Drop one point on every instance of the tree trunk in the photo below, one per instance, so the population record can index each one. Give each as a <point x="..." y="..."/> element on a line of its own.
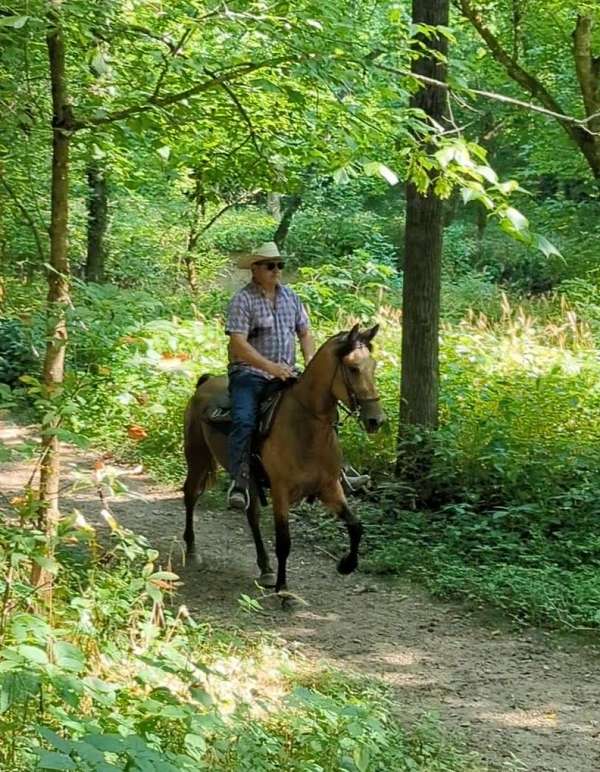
<point x="423" y="251"/>
<point x="291" y="207"/>
<point x="97" y="223"/>
<point x="274" y="205"/>
<point x="198" y="213"/>
<point x="58" y="285"/>
<point x="587" y="67"/>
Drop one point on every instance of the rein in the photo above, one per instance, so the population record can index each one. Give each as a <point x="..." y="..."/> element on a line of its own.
<point x="355" y="402"/>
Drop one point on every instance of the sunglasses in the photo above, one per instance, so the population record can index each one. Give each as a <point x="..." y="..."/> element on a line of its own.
<point x="271" y="266"/>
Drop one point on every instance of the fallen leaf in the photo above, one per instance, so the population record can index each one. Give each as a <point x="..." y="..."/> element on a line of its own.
<point x="135" y="432"/>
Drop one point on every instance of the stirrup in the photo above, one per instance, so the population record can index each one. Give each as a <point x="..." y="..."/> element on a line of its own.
<point x="238" y="497"/>
<point x="352" y="483"/>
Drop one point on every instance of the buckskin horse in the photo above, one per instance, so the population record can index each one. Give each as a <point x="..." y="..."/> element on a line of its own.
<point x="301" y="454"/>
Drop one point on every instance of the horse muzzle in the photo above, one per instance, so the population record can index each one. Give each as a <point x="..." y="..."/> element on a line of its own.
<point x="371" y="416"/>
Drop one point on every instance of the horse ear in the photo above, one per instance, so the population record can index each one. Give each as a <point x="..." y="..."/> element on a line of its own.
<point x="368" y="335"/>
<point x="353" y="335"/>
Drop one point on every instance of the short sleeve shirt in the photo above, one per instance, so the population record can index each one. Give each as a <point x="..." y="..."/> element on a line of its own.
<point x="271" y="328"/>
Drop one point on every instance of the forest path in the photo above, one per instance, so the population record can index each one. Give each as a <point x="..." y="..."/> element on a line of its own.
<point x="524" y="700"/>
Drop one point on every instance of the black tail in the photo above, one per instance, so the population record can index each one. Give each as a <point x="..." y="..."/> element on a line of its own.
<point x="202" y="379"/>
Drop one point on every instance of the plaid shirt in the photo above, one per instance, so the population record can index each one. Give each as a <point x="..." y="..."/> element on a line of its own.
<point x="270" y="329"/>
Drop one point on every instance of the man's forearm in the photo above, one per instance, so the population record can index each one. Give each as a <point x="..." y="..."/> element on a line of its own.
<point x="307" y="344"/>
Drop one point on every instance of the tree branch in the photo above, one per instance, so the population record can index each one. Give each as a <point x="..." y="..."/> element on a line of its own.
<point x="28" y="219"/>
<point x="175" y="50"/>
<point x="239" y="71"/>
<point x="241" y="109"/>
<point x="245" y="198"/>
<point x="518" y="73"/>
<point x="581" y="133"/>
<point x="580" y="123"/>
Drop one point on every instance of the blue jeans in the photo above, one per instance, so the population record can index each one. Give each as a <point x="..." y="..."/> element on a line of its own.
<point x="246" y="391"/>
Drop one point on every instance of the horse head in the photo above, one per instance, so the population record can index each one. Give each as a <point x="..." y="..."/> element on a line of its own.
<point x="354" y="379"/>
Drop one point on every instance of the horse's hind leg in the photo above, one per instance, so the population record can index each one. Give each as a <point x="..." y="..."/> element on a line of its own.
<point x="192" y="488"/>
<point x="333" y="497"/>
<point x="267" y="577"/>
<point x="201" y="472"/>
<point x="282" y="537"/>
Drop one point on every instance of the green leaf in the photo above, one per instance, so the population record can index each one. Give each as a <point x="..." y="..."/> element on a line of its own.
<point x="518" y="220"/>
<point x="54" y="739"/>
<point x="340" y="176"/>
<point x="16" y="22"/>
<point x="97" y="153"/>
<point x="487" y="173"/>
<point x="69" y="657"/>
<point x="164" y="576"/>
<point x="154" y="593"/>
<point x="508" y="187"/>
<point x="475" y="194"/>
<point x="48" y="564"/>
<point x="545" y="246"/>
<point x="32" y="654"/>
<point x="99" y="65"/>
<point x="444" y="156"/>
<point x="373" y="168"/>
<point x="52" y="760"/>
<point x="111" y="743"/>
<point x="15" y="687"/>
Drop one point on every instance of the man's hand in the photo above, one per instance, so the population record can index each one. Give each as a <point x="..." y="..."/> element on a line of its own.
<point x="281" y="371"/>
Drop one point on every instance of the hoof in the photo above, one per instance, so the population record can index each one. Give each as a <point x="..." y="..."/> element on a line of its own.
<point x="267" y="579"/>
<point x="347" y="564"/>
<point x="289" y="602"/>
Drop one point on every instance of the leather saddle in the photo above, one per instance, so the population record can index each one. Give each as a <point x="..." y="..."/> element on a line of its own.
<point x="218" y="410"/>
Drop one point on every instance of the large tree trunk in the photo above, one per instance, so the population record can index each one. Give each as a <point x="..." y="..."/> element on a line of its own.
<point x="97" y="223"/>
<point x="423" y="250"/>
<point x="58" y="282"/>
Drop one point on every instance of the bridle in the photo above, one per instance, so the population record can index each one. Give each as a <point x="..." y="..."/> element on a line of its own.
<point x="355" y="402"/>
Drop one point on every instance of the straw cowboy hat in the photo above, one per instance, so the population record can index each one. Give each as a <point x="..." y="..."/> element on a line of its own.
<point x="264" y="251"/>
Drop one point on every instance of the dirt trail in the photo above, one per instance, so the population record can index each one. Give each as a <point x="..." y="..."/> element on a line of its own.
<point x="524" y="701"/>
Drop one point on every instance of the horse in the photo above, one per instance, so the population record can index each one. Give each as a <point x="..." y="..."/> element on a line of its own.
<point x="301" y="454"/>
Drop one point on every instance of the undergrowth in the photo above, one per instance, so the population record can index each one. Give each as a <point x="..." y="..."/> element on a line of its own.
<point x="112" y="676"/>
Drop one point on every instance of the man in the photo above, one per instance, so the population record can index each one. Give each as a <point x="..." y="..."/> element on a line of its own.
<point x="263" y="320"/>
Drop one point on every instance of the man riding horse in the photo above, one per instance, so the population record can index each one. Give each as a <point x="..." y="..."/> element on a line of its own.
<point x="264" y="318"/>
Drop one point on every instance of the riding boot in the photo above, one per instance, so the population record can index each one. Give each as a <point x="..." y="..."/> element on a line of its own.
<point x="238" y="496"/>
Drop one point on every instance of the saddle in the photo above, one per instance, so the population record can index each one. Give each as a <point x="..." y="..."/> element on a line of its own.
<point x="218" y="410"/>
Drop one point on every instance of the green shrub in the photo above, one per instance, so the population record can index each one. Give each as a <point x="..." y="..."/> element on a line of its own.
<point x="356" y="286"/>
<point x="17" y="354"/>
<point x="241" y="228"/>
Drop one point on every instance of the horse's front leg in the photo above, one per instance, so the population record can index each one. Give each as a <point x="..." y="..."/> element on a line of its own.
<point x="281" y="508"/>
<point x="267" y="577"/>
<point x="333" y="497"/>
